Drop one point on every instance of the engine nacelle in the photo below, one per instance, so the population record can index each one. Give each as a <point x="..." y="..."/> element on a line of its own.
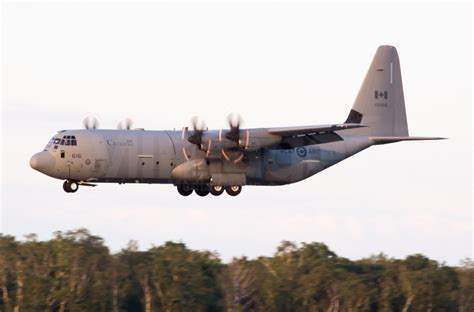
<point x="249" y="140"/>
<point x="193" y="170"/>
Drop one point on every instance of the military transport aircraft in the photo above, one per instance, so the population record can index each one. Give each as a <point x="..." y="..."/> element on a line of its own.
<point x="213" y="161"/>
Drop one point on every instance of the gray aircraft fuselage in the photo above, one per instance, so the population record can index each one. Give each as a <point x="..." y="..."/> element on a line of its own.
<point x="207" y="161"/>
<point x="124" y="156"/>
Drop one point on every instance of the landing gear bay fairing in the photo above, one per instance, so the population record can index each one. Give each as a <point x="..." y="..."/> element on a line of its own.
<point x="217" y="161"/>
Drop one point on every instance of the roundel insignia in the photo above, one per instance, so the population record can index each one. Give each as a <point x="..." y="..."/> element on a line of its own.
<point x="301" y="151"/>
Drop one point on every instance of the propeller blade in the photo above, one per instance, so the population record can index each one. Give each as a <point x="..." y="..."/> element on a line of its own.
<point x="126" y="124"/>
<point x="91" y="122"/>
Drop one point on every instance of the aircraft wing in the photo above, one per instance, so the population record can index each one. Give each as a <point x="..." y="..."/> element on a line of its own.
<point x="312" y="130"/>
<point x="309" y="135"/>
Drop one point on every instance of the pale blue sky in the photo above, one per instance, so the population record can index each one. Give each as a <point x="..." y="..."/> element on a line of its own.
<point x="275" y="64"/>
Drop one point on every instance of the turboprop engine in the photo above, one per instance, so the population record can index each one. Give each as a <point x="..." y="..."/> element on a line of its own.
<point x="247" y="140"/>
<point x="228" y="141"/>
<point x="198" y="170"/>
<point x="192" y="170"/>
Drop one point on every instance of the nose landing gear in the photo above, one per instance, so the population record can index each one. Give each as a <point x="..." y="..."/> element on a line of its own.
<point x="70" y="186"/>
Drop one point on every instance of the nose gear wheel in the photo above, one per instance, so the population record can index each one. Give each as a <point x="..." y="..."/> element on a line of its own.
<point x="70" y="186"/>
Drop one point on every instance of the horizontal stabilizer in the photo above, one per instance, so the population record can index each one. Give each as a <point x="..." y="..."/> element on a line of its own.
<point x="393" y="139"/>
<point x="308" y="130"/>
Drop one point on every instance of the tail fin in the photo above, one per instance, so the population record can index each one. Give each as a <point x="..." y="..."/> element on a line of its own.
<point x="380" y="103"/>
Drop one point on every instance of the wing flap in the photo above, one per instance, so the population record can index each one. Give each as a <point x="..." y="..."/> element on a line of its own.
<point x="311" y="139"/>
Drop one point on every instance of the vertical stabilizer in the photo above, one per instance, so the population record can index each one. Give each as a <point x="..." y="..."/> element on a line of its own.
<point x="380" y="102"/>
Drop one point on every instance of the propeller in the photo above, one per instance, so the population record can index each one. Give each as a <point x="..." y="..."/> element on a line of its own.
<point x="198" y="130"/>
<point x="91" y="122"/>
<point x="234" y="121"/>
<point x="126" y="124"/>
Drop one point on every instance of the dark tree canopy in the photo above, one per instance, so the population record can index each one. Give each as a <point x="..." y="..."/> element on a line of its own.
<point x="74" y="271"/>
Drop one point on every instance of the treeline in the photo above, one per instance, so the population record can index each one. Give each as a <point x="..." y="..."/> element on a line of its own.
<point x="74" y="271"/>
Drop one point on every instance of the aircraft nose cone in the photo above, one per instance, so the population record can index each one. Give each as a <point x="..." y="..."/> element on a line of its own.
<point x="43" y="162"/>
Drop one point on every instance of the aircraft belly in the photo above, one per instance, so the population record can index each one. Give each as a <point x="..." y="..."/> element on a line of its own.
<point x="290" y="165"/>
<point x="293" y="165"/>
<point x="332" y="153"/>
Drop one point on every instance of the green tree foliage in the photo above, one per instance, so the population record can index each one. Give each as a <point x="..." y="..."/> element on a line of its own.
<point x="74" y="271"/>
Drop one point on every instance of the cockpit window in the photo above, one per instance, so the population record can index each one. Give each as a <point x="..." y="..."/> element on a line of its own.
<point x="73" y="140"/>
<point x="68" y="140"/>
<point x="49" y="143"/>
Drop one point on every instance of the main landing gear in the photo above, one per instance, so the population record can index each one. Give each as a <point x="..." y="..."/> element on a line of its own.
<point x="70" y="186"/>
<point x="204" y="189"/>
<point x="185" y="190"/>
<point x="217" y="190"/>
<point x="233" y="190"/>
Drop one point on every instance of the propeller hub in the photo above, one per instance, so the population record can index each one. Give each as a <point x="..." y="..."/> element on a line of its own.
<point x="234" y="125"/>
<point x="198" y="131"/>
